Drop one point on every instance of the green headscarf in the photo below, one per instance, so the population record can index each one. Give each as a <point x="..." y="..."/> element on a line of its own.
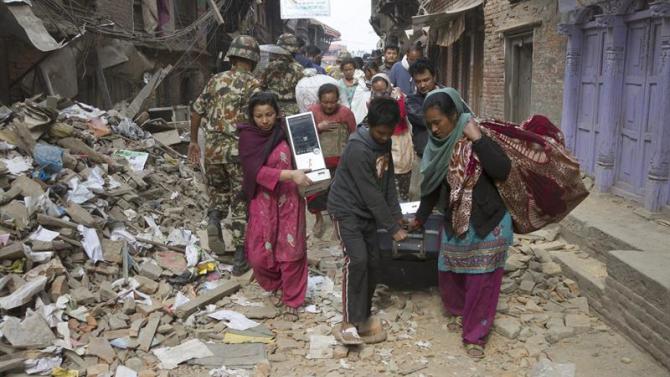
<point x="437" y="155"/>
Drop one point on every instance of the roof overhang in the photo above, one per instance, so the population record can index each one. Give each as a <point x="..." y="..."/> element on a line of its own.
<point x="446" y="14"/>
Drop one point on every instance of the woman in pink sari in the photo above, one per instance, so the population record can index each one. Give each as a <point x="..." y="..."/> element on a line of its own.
<point x="275" y="242"/>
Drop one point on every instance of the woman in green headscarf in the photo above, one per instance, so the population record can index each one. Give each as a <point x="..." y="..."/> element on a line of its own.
<point x="459" y="166"/>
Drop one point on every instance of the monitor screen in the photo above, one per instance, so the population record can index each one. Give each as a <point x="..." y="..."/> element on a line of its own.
<point x="303" y="134"/>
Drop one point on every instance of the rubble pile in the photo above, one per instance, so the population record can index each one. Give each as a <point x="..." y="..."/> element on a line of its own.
<point x="101" y="262"/>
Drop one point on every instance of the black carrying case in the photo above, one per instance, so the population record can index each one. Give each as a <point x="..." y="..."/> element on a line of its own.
<point x="411" y="263"/>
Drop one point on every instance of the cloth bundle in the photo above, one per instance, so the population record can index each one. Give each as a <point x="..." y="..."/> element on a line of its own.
<point x="545" y="182"/>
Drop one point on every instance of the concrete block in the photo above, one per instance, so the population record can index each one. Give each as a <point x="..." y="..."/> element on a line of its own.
<point x="507" y="327"/>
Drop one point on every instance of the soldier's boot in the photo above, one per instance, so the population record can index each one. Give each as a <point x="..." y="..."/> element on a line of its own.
<point x="214" y="234"/>
<point x="240" y="265"/>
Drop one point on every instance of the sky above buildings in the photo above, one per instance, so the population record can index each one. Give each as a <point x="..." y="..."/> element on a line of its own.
<point x="352" y="19"/>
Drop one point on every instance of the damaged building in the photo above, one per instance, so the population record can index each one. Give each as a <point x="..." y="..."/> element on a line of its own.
<point x="104" y="52"/>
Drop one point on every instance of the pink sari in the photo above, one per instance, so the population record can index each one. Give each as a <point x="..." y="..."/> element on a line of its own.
<point x="276" y="244"/>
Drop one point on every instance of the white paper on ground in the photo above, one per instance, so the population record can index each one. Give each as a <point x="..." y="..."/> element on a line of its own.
<point x="234" y="320"/>
<point x="227" y="372"/>
<point x="136" y="160"/>
<point x="179" y="237"/>
<point x="312" y="309"/>
<point x="319" y="286"/>
<point x="4" y="239"/>
<point x="170" y="357"/>
<point x="18" y="164"/>
<point x="179" y="300"/>
<point x="91" y="243"/>
<point x="42" y="234"/>
<point x="78" y="193"/>
<point x="113" y="183"/>
<point x="24" y="294"/>
<point x="42" y="365"/>
<point x="192" y="254"/>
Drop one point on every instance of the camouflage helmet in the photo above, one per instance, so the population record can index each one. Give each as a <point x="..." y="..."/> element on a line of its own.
<point x="246" y="47"/>
<point x="288" y="42"/>
<point x="343" y="55"/>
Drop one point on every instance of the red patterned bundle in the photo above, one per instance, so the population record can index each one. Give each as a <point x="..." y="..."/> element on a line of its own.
<point x="545" y="182"/>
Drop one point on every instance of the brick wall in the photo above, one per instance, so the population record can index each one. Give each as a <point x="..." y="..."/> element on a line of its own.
<point x="637" y="300"/>
<point x="548" y="55"/>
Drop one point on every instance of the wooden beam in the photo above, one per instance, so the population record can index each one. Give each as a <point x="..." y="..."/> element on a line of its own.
<point x="225" y="289"/>
<point x="217" y="14"/>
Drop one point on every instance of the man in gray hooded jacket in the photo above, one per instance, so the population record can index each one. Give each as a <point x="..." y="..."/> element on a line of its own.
<point x="362" y="199"/>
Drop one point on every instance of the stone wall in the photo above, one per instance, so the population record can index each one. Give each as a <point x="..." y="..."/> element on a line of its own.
<point x="501" y="16"/>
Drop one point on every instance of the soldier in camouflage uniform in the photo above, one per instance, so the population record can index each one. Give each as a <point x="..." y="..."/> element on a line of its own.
<point x="336" y="71"/>
<point x="223" y="104"/>
<point x="282" y="75"/>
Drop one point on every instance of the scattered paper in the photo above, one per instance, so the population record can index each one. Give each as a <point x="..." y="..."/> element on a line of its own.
<point x="42" y="234"/>
<point x="18" y="164"/>
<point x="179" y="237"/>
<point x="113" y="183"/>
<point x="91" y="243"/>
<point x="136" y="160"/>
<point x="77" y="111"/>
<point x="179" y="300"/>
<point x="42" y="365"/>
<point x="170" y="357"/>
<point x="234" y="320"/>
<point x="225" y="372"/>
<point x="312" y="309"/>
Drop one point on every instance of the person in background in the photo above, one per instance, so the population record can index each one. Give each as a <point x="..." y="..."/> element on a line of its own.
<point x="333" y="120"/>
<point x="311" y="59"/>
<point x="363" y="199"/>
<point x="355" y="91"/>
<point x="401" y="148"/>
<point x="399" y="74"/>
<point x="391" y="54"/>
<point x="348" y="83"/>
<point x="276" y="238"/>
<point x="336" y="71"/>
<point x="477" y="225"/>
<point x="424" y="77"/>
<point x="220" y="106"/>
<point x="370" y="69"/>
<point x="282" y="75"/>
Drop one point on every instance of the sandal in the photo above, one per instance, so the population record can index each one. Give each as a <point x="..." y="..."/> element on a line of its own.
<point x="275" y="299"/>
<point x="348" y="336"/>
<point x="290" y="314"/>
<point x="372" y="331"/>
<point x="454" y="323"/>
<point x="475" y="351"/>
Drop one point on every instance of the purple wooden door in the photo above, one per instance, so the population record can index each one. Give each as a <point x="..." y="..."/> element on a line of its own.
<point x="591" y="83"/>
<point x="640" y="105"/>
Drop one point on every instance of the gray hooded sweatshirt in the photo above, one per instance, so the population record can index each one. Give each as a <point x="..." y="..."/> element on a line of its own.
<point x="364" y="184"/>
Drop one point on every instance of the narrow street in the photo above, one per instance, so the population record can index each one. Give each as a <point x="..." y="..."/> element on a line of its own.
<point x="321" y="188"/>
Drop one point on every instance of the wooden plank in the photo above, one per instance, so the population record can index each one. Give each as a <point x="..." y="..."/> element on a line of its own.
<point x="12" y="364"/>
<point x="51" y="221"/>
<point x="148" y="332"/>
<point x="225" y="289"/>
<point x="217" y="14"/>
<point x="12" y="251"/>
